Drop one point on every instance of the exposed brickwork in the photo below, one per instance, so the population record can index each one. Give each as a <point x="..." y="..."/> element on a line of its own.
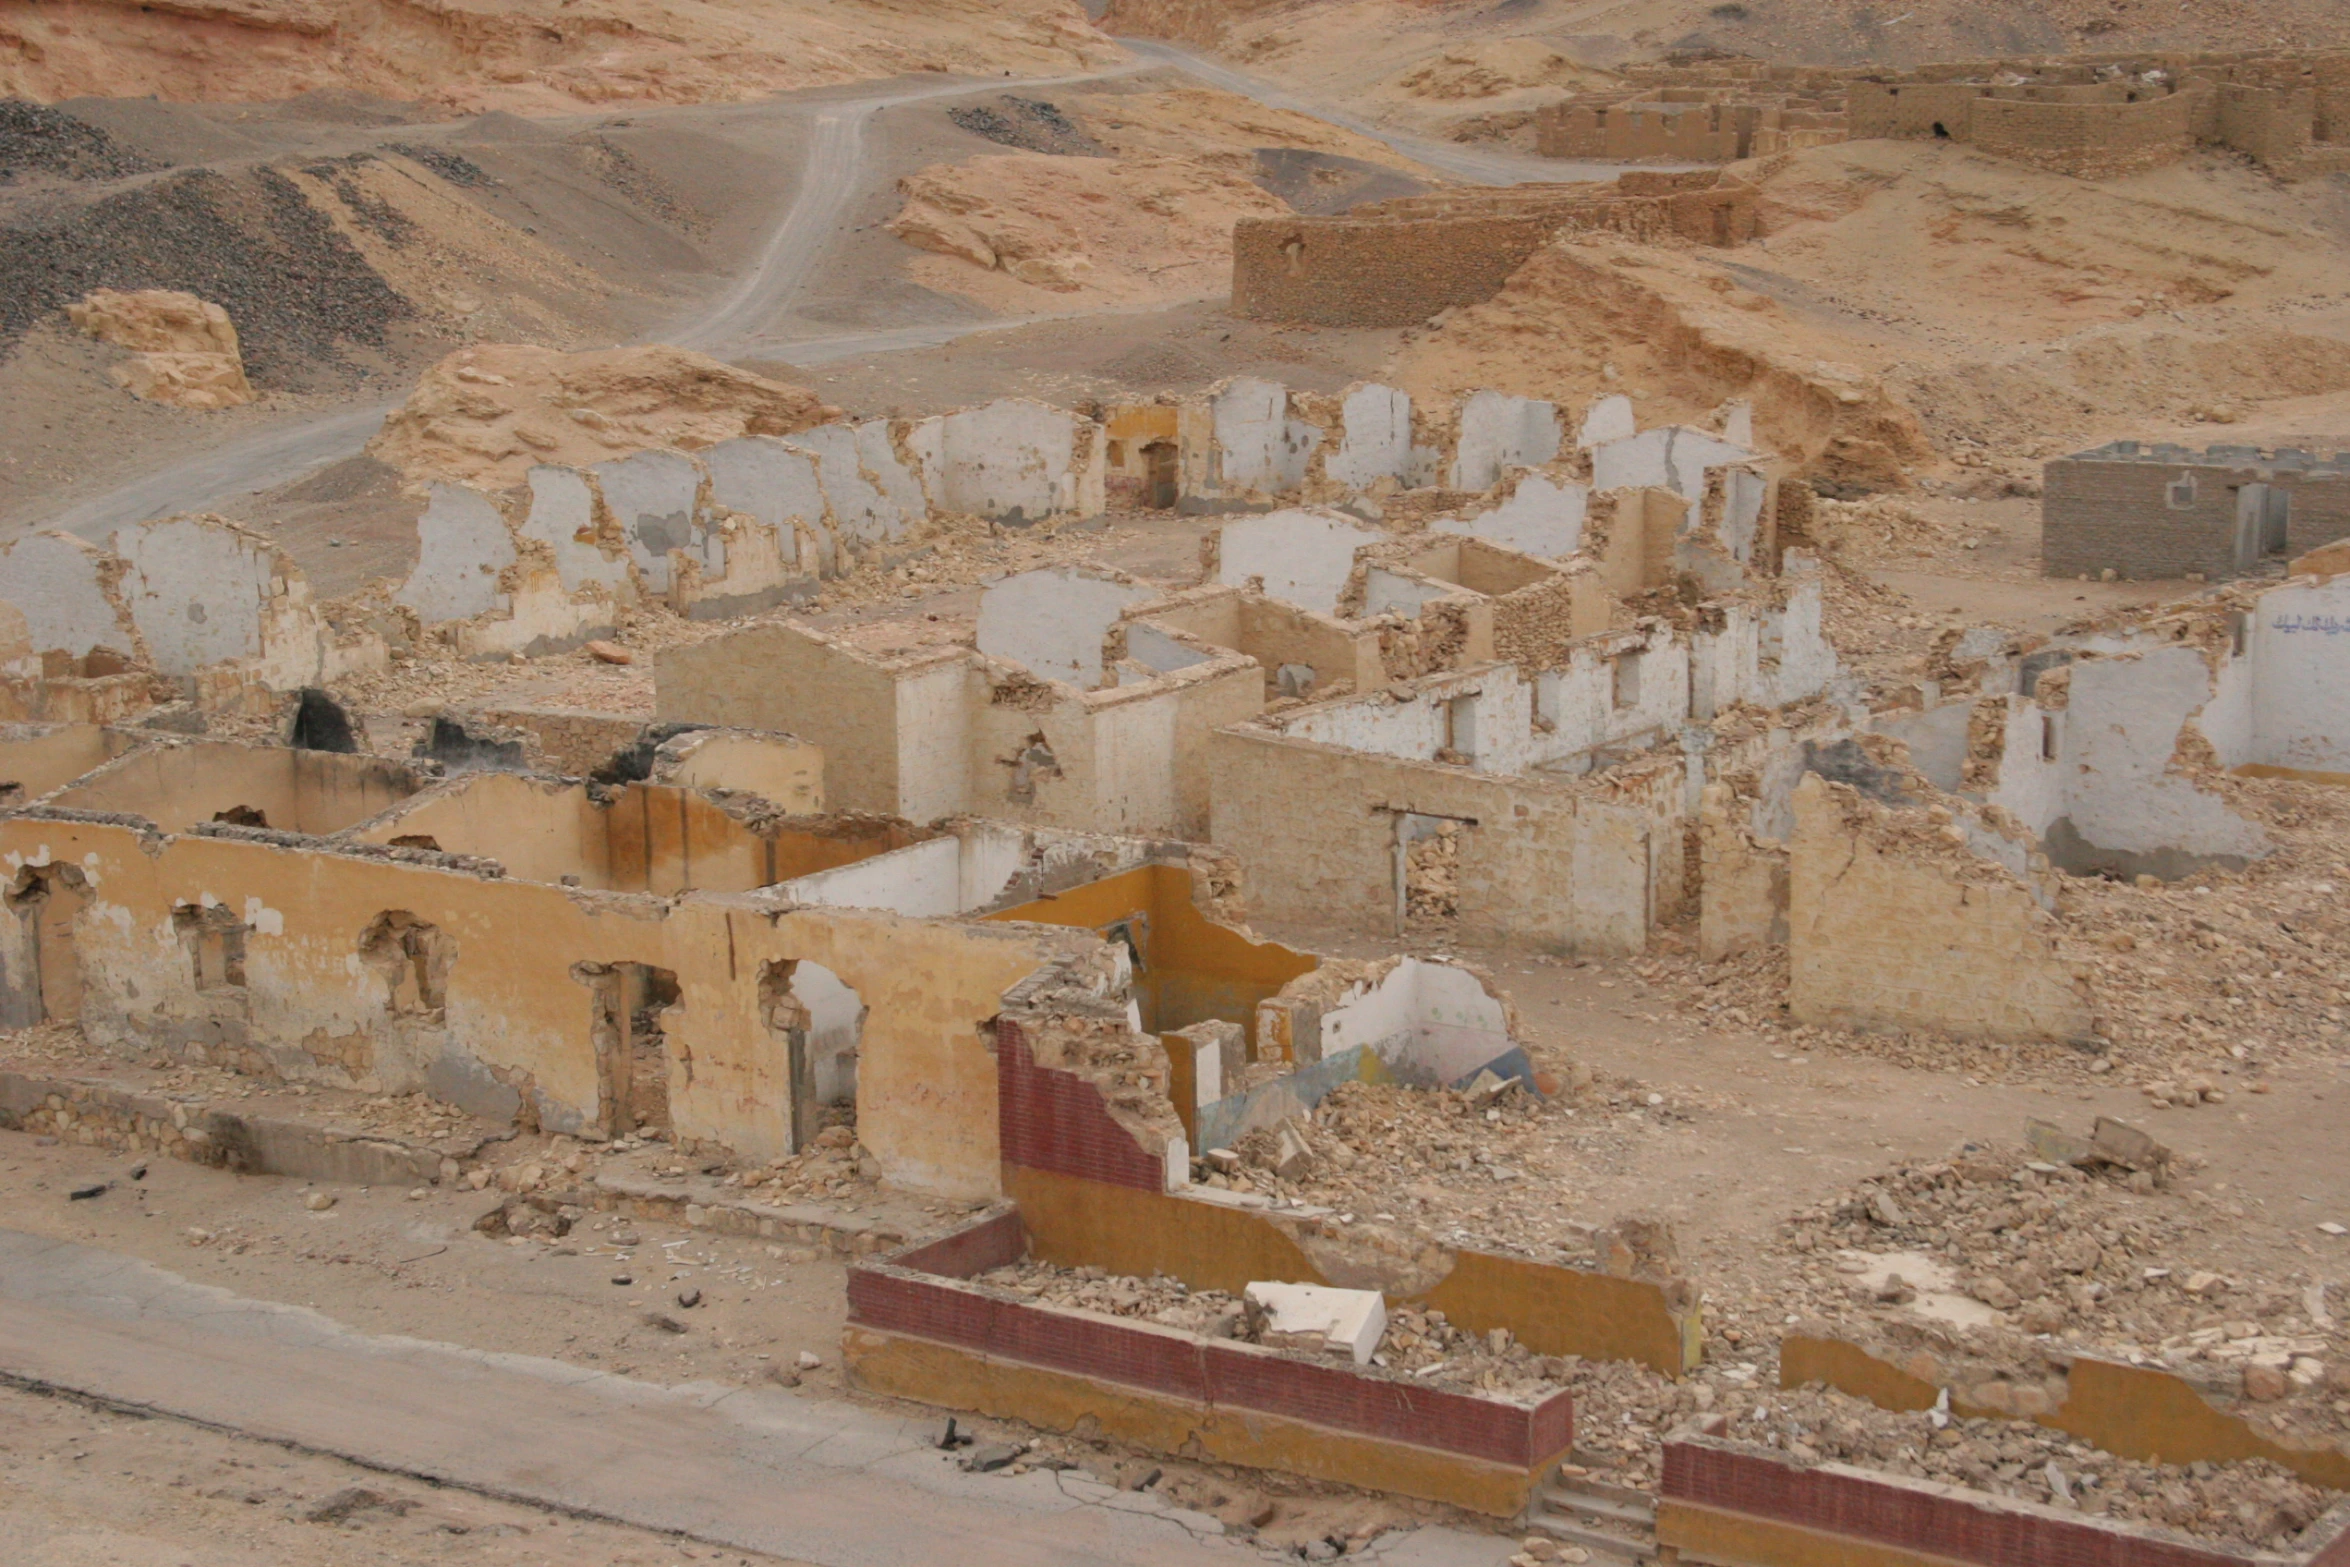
<point x="896" y="1298"/>
<point x="2157" y="512"/>
<point x="2086" y="115"/>
<point x="1399" y="262"/>
<point x="988" y="1244"/>
<point x="1915" y="1515"/>
<point x="1050" y="1120"/>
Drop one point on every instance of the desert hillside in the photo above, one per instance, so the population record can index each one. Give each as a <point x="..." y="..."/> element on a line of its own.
<point x="534" y="56"/>
<point x="1454" y="66"/>
<point x="1907" y="296"/>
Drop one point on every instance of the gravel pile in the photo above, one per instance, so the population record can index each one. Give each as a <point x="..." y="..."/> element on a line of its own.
<point x="35" y="138"/>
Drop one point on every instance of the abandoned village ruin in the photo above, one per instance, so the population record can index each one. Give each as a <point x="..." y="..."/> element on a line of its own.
<point x="1229" y="921"/>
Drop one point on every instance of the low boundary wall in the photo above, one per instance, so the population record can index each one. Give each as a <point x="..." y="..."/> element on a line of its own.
<point x="1745" y="1506"/>
<point x="918" y="1330"/>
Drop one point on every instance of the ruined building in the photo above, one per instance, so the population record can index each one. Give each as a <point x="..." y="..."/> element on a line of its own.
<point x="2141" y="511"/>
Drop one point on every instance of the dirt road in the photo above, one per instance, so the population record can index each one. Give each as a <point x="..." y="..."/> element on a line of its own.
<point x="750" y="1469"/>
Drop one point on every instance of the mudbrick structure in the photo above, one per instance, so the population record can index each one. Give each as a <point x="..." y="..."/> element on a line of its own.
<point x="2089" y="115"/>
<point x="1392" y="263"/>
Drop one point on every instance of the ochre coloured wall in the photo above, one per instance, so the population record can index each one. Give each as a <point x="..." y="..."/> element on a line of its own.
<point x="1190" y="968"/>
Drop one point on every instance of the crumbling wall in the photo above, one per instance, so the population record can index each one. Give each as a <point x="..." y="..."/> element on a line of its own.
<point x="1895" y="922"/>
<point x="790" y="679"/>
<point x="179" y="784"/>
<point x="2300" y="652"/>
<point x="1261" y="449"/>
<point x="1533" y="512"/>
<point x="515" y="1037"/>
<point x="1302" y="557"/>
<point x="1052" y="620"/>
<point x="1013" y="460"/>
<point x="1318" y="827"/>
<point x="1498" y="432"/>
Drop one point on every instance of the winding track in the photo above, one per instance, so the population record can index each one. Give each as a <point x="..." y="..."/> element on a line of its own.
<point x="833" y="175"/>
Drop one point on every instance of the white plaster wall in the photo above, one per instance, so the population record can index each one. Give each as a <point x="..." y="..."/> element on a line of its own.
<point x="2230" y="719"/>
<point x="2300" y="653"/>
<point x="1146" y="644"/>
<point x="1609" y="419"/>
<point x="1499" y="432"/>
<point x="1011" y="459"/>
<point x="864" y="508"/>
<point x="1723" y="663"/>
<point x="1742" y="510"/>
<point x="462" y="547"/>
<point x="1413" y="729"/>
<point x="1303" y="556"/>
<point x="1376" y="438"/>
<point x="1400" y="592"/>
<point x="1542" y="517"/>
<point x="2123" y="722"/>
<point x="2031" y="784"/>
<point x="655" y="496"/>
<point x="52" y="579"/>
<point x="1671" y="457"/>
<point x="899" y="487"/>
<point x="934" y="739"/>
<point x="196" y="590"/>
<point x="1937" y="740"/>
<point x="921" y="881"/>
<point x="1051" y="621"/>
<point x="1259" y="448"/>
<point x="1796" y="659"/>
<point x="1737" y="421"/>
<point x="1579" y="699"/>
<point x="774" y="484"/>
<point x="1429" y="1020"/>
<point x="563" y="518"/>
<point x="1499" y="718"/>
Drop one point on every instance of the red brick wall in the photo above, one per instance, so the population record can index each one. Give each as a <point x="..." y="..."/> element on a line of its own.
<point x="1914" y="1516"/>
<point x="988" y="1244"/>
<point x="1053" y="1120"/>
<point x="1210" y="1372"/>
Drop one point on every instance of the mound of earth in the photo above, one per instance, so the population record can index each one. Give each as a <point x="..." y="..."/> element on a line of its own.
<point x="1022" y="232"/>
<point x="484" y="415"/>
<point x="536" y="56"/>
<point x="1909" y="299"/>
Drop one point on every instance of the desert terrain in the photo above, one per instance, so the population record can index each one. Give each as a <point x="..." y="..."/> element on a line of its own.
<point x="358" y="287"/>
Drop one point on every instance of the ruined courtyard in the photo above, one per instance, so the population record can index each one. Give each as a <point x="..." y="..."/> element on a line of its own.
<point x="1264" y="801"/>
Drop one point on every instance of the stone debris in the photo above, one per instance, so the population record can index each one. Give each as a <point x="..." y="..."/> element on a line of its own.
<point x="2253" y="1502"/>
<point x="1316" y="1317"/>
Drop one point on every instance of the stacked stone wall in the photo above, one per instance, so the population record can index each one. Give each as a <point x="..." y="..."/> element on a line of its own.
<point x="2090" y="140"/>
<point x="1401" y="264"/>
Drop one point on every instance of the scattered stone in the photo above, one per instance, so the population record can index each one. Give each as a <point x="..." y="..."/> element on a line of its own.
<point x="319" y="1202"/>
<point x="988" y="1459"/>
<point x="85" y="1193"/>
<point x="337" y="1506"/>
<point x="689" y="1298"/>
<point x="809" y="1360"/>
<point x="2266" y="1384"/>
<point x="610" y="653"/>
<point x="622" y="1278"/>
<point x="667" y="1324"/>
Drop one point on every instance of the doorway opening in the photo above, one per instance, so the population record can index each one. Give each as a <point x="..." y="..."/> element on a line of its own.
<point x="49" y="900"/>
<point x="628" y="1021"/>
<point x="1427" y="868"/>
<point x="820" y="1020"/>
<point x="1159" y="476"/>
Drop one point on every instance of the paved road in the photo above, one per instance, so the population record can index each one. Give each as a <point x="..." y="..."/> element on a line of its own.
<point x="763" y="1470"/>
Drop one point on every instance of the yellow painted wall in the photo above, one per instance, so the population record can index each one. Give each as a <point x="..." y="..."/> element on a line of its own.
<point x="1193" y="969"/>
<point x="515" y="1013"/>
